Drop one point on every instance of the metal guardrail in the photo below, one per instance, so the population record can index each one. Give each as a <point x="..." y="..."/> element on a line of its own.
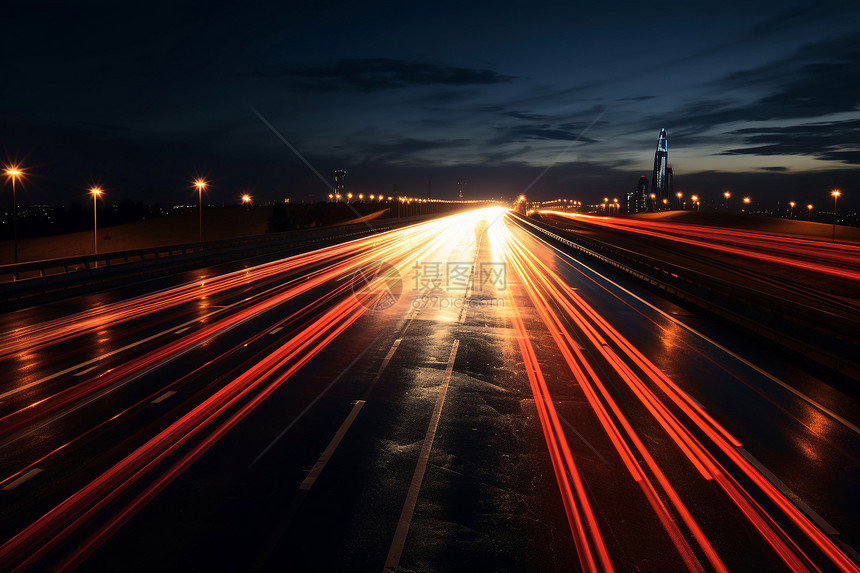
<point x="59" y="278"/>
<point x="717" y="299"/>
<point x="38" y="269"/>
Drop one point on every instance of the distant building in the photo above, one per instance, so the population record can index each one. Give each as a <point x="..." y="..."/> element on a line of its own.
<point x="670" y="184"/>
<point x="340" y="183"/>
<point x="637" y="200"/>
<point x="661" y="161"/>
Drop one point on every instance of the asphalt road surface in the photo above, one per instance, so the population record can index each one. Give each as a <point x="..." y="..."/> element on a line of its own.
<point x="457" y="395"/>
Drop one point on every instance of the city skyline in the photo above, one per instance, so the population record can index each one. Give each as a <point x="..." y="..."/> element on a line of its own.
<point x="567" y="101"/>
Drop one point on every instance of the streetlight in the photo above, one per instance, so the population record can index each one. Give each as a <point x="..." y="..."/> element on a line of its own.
<point x="727" y="194"/>
<point x="14" y="172"/>
<point x="96" y="193"/>
<point x="653" y="198"/>
<point x="695" y="200"/>
<point x="679" y="195"/>
<point x="246" y="199"/>
<point x="746" y="202"/>
<point x="791" y="204"/>
<point x="836" y="193"/>
<point x="809" y="212"/>
<point x="201" y="185"/>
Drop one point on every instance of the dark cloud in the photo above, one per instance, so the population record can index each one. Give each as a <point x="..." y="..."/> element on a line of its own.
<point x="776" y="169"/>
<point x="831" y="140"/>
<point x="817" y="80"/>
<point x="526" y="116"/>
<point x="404" y="149"/>
<point x="374" y="74"/>
<point x="636" y="98"/>
<point x="525" y="132"/>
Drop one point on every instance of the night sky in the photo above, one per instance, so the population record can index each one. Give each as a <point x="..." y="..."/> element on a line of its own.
<point x="759" y="98"/>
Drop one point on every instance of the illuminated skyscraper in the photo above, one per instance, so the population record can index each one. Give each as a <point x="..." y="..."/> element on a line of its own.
<point x="670" y="184"/>
<point x="340" y="182"/>
<point x="661" y="160"/>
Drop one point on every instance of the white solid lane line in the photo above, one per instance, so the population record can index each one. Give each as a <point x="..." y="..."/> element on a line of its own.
<point x="393" y="559"/>
<point x="164" y="397"/>
<point x="22" y="479"/>
<point x="332" y="446"/>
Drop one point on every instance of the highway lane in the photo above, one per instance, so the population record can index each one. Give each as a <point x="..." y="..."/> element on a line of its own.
<point x="303" y="428"/>
<point x="811" y="282"/>
<point x="773" y="423"/>
<point x="836" y="259"/>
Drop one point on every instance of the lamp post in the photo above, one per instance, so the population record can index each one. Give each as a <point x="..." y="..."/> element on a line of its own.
<point x="727" y="194"/>
<point x="96" y="193"/>
<point x="695" y="200"/>
<point x="791" y="204"/>
<point x="201" y="185"/>
<point x="836" y="193"/>
<point x="14" y="172"/>
<point x="679" y="195"/>
<point x="809" y="212"/>
<point x="746" y="202"/>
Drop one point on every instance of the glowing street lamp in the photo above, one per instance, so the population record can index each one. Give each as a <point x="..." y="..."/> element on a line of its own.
<point x="96" y="193"/>
<point x="836" y="193"/>
<point x="809" y="212"/>
<point x="246" y="199"/>
<point x="201" y="185"/>
<point x="695" y="200"/>
<point x="330" y="196"/>
<point x="746" y="202"/>
<point x="791" y="211"/>
<point x="14" y="172"/>
<point x="727" y="194"/>
<point x="679" y="195"/>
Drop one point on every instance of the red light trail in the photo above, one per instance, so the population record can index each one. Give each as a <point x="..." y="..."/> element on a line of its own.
<point x="550" y="294"/>
<point x="835" y="259"/>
